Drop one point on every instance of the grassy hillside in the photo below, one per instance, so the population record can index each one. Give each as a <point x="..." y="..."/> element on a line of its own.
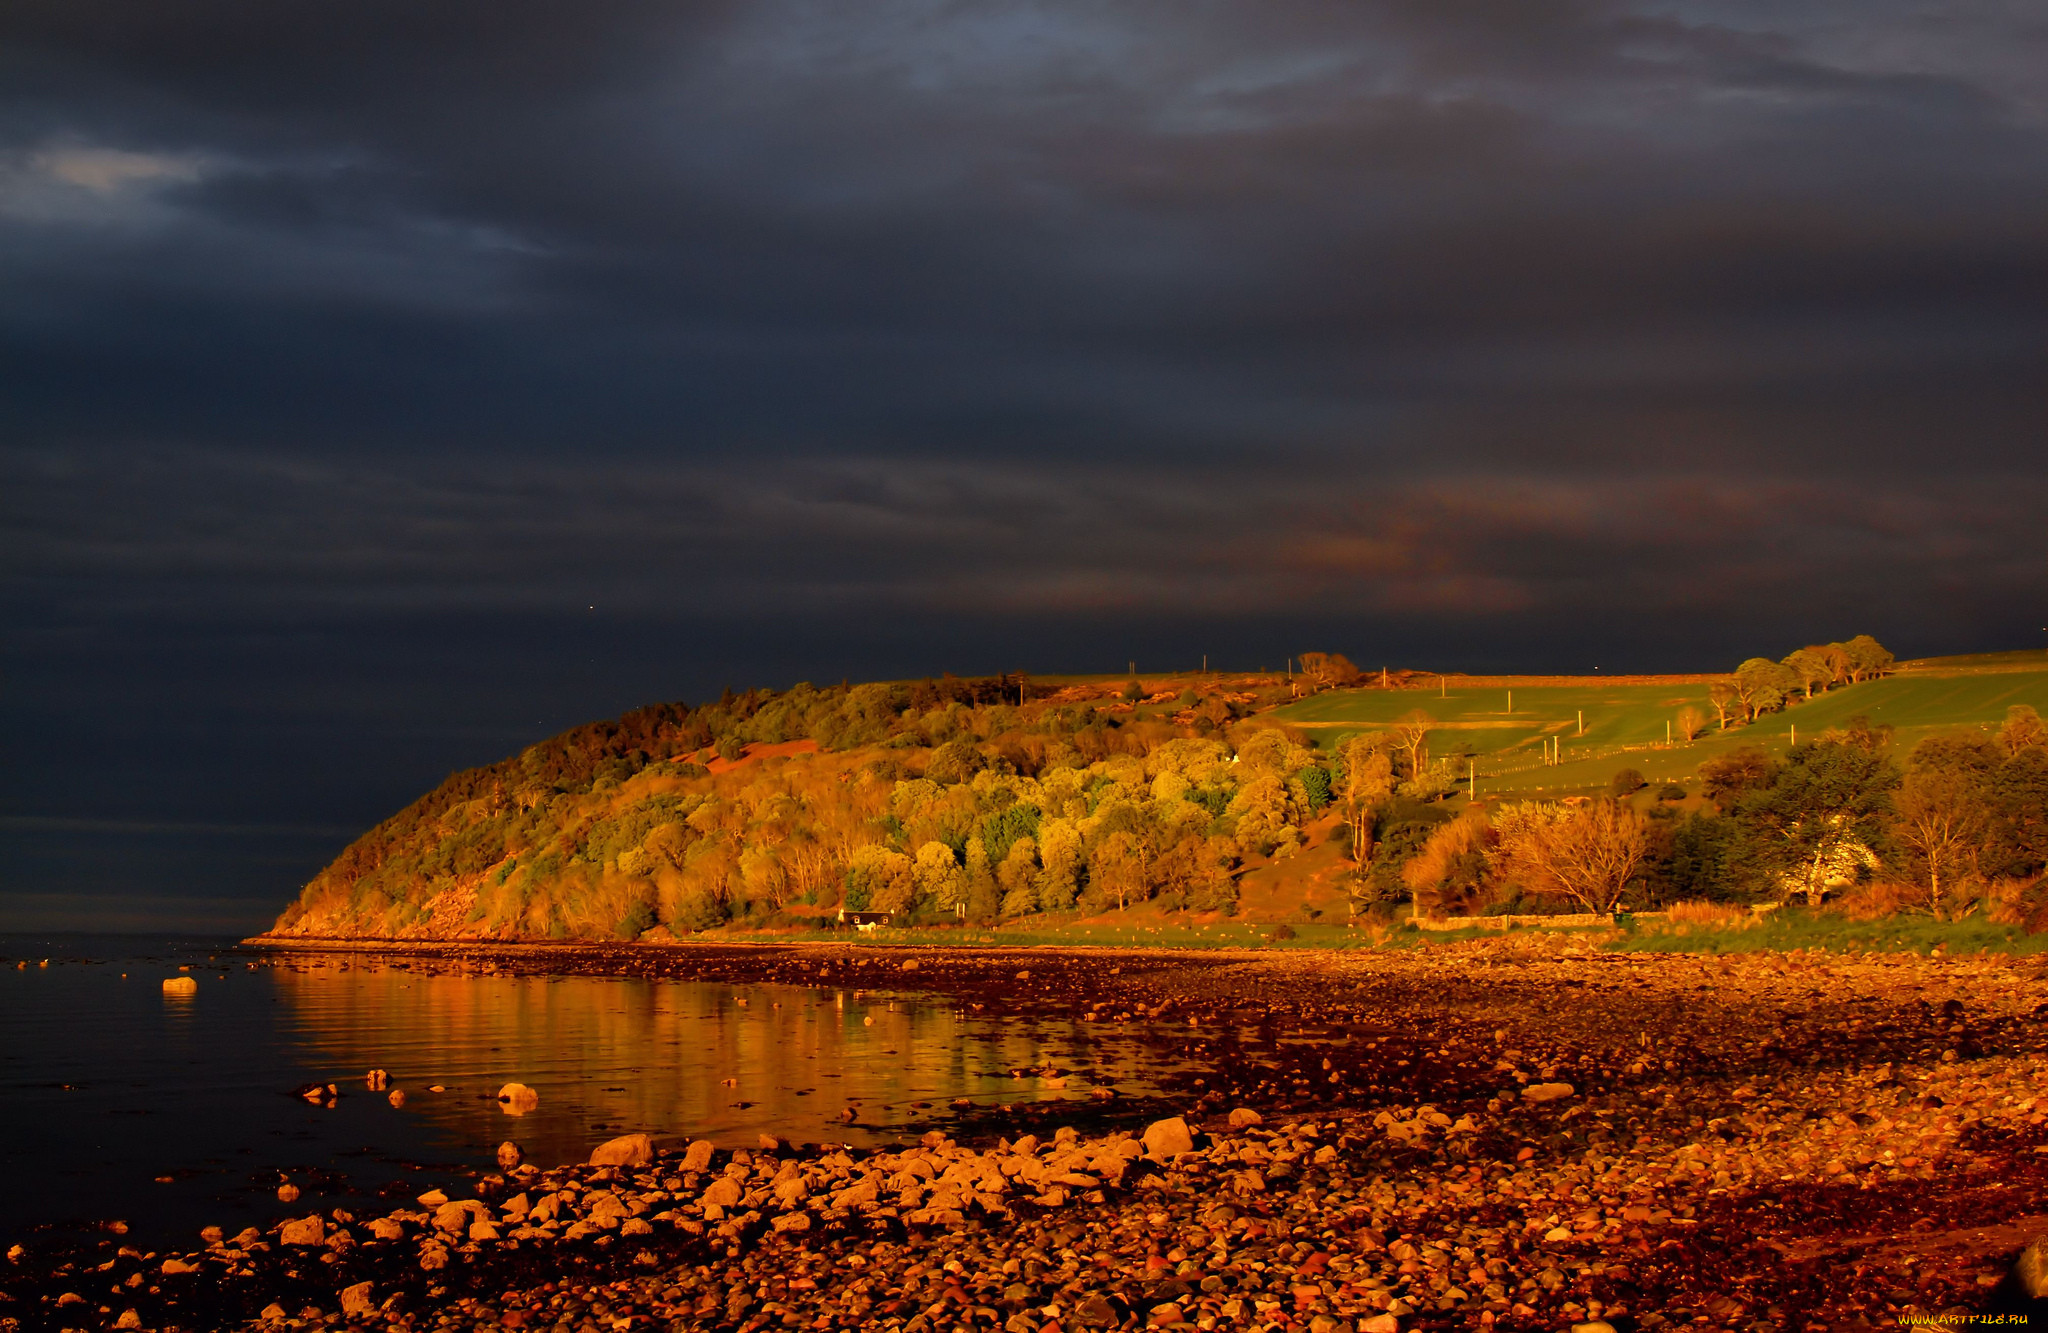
<point x="1037" y="802"/>
<point x="1624" y="725"/>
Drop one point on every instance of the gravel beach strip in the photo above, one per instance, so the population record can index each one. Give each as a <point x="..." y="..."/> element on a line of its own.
<point x="1516" y="1133"/>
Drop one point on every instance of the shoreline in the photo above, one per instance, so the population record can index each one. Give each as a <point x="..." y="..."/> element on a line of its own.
<point x="1755" y="1141"/>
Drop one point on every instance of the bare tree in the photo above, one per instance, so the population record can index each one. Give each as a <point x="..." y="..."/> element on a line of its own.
<point x="1721" y="694"/>
<point x="1410" y="735"/>
<point x="1328" y="669"/>
<point x="1588" y="854"/>
<point x="1691" y="722"/>
<point x="1939" y="816"/>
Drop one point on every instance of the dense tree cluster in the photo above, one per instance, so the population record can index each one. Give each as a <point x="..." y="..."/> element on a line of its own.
<point x="1762" y="686"/>
<point x="1961" y="827"/>
<point x="985" y="799"/>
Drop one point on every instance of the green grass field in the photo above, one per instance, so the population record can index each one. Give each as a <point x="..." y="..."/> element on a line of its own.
<point x="1624" y="725"/>
<point x="1782" y="932"/>
<point x="1794" y="928"/>
<point x="1102" y="935"/>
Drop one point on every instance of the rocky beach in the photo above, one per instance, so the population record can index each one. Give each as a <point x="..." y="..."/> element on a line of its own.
<point x="1524" y="1132"/>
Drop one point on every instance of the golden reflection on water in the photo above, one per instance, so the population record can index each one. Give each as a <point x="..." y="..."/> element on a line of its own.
<point x="621" y="1055"/>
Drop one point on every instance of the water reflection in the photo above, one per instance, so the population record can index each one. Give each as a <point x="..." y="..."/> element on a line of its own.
<point x="689" y="1059"/>
<point x="120" y="1100"/>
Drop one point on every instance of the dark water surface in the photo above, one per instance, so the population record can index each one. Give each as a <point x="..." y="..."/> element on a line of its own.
<point x="108" y="1085"/>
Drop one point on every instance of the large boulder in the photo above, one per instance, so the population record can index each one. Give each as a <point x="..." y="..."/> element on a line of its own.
<point x="626" y="1150"/>
<point x="356" y="1301"/>
<point x="456" y="1218"/>
<point x="698" y="1156"/>
<point x="1547" y="1092"/>
<point x="517" y="1099"/>
<point x="1166" y="1138"/>
<point x="310" y="1230"/>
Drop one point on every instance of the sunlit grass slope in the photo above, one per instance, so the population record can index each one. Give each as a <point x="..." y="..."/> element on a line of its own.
<point x="1624" y="724"/>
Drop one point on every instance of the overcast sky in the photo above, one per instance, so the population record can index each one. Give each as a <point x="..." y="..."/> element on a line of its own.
<point x="387" y="384"/>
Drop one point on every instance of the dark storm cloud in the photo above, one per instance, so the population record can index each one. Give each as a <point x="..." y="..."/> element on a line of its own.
<point x="200" y="535"/>
<point x="392" y="382"/>
<point x="927" y="228"/>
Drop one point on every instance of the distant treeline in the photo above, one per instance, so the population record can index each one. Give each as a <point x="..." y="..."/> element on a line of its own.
<point x="1762" y="686"/>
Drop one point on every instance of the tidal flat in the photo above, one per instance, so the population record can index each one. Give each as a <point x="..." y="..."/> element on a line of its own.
<point x="1519" y="1133"/>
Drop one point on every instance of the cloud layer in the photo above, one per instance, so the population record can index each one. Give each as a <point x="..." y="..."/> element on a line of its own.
<point x="642" y="349"/>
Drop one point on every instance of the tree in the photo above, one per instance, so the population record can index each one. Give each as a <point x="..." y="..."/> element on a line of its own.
<point x="1017" y="877"/>
<point x="2023" y="730"/>
<point x="1859" y="734"/>
<point x="1269" y="749"/>
<point x="1940" y="813"/>
<point x="1260" y="812"/>
<point x="1587" y="854"/>
<point x="1820" y="820"/>
<point x="1836" y="658"/>
<point x="1867" y="658"/>
<point x="1368" y="783"/>
<point x="2004" y="794"/>
<point x="1117" y="869"/>
<point x="1449" y="872"/>
<point x="1310" y="788"/>
<point x="1727" y="779"/>
<point x="1410" y="735"/>
<point x="1434" y="783"/>
<point x="1705" y="859"/>
<point x="955" y="761"/>
<point x="984" y="896"/>
<point x="1809" y="669"/>
<point x="762" y="873"/>
<point x="2015" y="846"/>
<point x="1721" y="694"/>
<point x="1328" y="669"/>
<point x="1761" y="686"/>
<point x="1690" y="723"/>
<point x="939" y="879"/>
<point x="1059" y="855"/>
<point x="880" y="880"/>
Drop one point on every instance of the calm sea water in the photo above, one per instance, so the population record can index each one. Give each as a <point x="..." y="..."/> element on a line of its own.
<point x="169" y="1112"/>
